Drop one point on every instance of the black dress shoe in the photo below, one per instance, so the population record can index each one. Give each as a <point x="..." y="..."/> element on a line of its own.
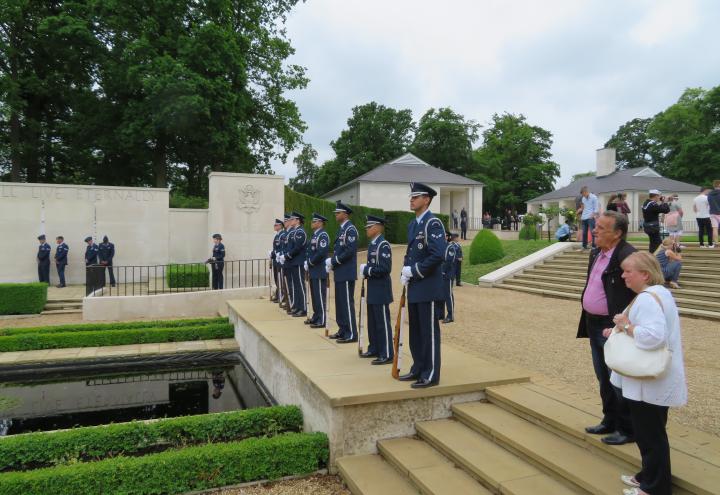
<point x="382" y="361"/>
<point x="345" y="341"/>
<point x="316" y="325"/>
<point x="299" y="314"/>
<point x="334" y="335"/>
<point x="423" y="383"/>
<point x="307" y="322"/>
<point x="368" y="354"/>
<point x="448" y="320"/>
<point x="600" y="429"/>
<point x="408" y="377"/>
<point x="618" y="438"/>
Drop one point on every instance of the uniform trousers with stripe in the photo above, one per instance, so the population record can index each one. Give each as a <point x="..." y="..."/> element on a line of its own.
<point x="379" y="330"/>
<point x="425" y="340"/>
<point x="318" y="290"/>
<point x="449" y="299"/>
<point x="297" y="273"/>
<point x="345" y="309"/>
<point x="288" y="286"/>
<point x="217" y="275"/>
<point x="276" y="278"/>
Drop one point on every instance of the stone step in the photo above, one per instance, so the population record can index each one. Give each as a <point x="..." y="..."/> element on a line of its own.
<point x="427" y="469"/>
<point x="74" y="300"/>
<point x="578" y="271"/>
<point x="695" y="467"/>
<point x="712" y="267"/>
<point x="63" y="305"/>
<point x="543" y="449"/>
<point x="491" y="464"/>
<point x="574" y="280"/>
<point x="372" y="475"/>
<point x="61" y="311"/>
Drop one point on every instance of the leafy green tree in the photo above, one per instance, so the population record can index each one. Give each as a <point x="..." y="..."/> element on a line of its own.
<point x="444" y="139"/>
<point x="307" y="170"/>
<point x="633" y="145"/>
<point x="582" y="176"/>
<point x="515" y="163"/>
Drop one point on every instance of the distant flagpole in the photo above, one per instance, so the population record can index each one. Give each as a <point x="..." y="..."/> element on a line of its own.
<point x="94" y="234"/>
<point x="42" y="217"/>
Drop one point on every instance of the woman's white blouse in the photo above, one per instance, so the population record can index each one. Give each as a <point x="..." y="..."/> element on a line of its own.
<point x="656" y="327"/>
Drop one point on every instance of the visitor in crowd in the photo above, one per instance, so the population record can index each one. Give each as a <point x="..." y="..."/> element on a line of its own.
<point x="713" y="198"/>
<point x="564" y="232"/>
<point x="622" y="206"/>
<point x="463" y="223"/>
<point x="670" y="262"/>
<point x="653" y="322"/>
<point x="589" y="212"/>
<point x="487" y="220"/>
<point x="604" y="296"/>
<point x="612" y="203"/>
<point x="455" y="218"/>
<point x="515" y="219"/>
<point x="673" y="219"/>
<point x="701" y="207"/>
<point x="652" y="207"/>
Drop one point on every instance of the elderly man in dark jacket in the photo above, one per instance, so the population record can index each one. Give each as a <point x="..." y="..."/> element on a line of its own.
<point x="604" y="296"/>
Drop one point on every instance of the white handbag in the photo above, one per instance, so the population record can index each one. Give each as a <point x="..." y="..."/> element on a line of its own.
<point x="625" y="358"/>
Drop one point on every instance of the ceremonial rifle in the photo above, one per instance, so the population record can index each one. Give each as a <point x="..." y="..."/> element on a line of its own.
<point x="327" y="300"/>
<point x="360" y="326"/>
<point x="397" y="339"/>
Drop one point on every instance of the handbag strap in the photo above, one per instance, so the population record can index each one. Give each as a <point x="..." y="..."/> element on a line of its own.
<point x="655" y="296"/>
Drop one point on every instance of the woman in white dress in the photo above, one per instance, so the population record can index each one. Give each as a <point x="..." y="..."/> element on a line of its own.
<point x="653" y="322"/>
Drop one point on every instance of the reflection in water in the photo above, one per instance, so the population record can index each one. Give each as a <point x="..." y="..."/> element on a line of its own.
<point x="111" y="398"/>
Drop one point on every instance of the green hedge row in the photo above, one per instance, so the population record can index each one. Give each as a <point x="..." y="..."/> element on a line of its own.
<point x="187" y="275"/>
<point x="302" y="203"/>
<point x="86" y="327"/>
<point x="61" y="340"/>
<point x="93" y="443"/>
<point x="23" y="299"/>
<point x="485" y="248"/>
<point x="178" y="471"/>
<point x="397" y="223"/>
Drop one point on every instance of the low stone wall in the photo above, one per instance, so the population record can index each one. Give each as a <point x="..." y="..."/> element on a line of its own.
<point x="494" y="278"/>
<point x="185" y="304"/>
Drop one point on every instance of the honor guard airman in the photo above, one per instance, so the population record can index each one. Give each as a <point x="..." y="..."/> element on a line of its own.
<point x="317" y="251"/>
<point x="43" y="260"/>
<point x="295" y="259"/>
<point x="448" y="278"/>
<point x="284" y="267"/>
<point x="61" y="254"/>
<point x="273" y="254"/>
<point x="91" y="252"/>
<point x="343" y="264"/>
<point x="217" y="262"/>
<point x="379" y="292"/>
<point x="458" y="259"/>
<point x="106" y="253"/>
<point x="422" y="274"/>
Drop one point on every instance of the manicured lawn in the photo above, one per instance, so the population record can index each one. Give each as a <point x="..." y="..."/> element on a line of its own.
<point x="514" y="250"/>
<point x="644" y="238"/>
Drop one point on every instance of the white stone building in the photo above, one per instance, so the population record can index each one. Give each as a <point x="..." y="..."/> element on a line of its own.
<point x="387" y="187"/>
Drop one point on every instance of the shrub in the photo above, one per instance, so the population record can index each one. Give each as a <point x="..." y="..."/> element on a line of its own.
<point x="178" y="471"/>
<point x="86" y="327"/>
<point x="92" y="443"/>
<point x="178" y="200"/>
<point x="485" y="248"/>
<point x="62" y="340"/>
<point x="187" y="275"/>
<point x="397" y="222"/>
<point x="23" y="299"/>
<point x="528" y="232"/>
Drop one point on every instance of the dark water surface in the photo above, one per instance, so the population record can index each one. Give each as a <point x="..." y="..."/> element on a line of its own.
<point x="76" y="398"/>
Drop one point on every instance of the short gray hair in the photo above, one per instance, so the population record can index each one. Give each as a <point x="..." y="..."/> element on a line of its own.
<point x="620" y="221"/>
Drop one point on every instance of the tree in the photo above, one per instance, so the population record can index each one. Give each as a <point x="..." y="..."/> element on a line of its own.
<point x="445" y="139"/>
<point x="633" y="145"/>
<point x="514" y="162"/>
<point x="307" y="170"/>
<point x="582" y="176"/>
<point x="375" y="134"/>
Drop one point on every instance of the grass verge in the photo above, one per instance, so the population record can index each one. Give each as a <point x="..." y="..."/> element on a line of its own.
<point x="514" y="250"/>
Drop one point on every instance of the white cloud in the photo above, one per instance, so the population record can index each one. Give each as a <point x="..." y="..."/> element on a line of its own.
<point x="665" y="21"/>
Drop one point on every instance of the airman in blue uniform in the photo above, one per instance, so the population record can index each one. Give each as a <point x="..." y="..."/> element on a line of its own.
<point x="317" y="250"/>
<point x="91" y="252"/>
<point x="422" y="274"/>
<point x="284" y="267"/>
<point x="448" y="276"/>
<point x="217" y="262"/>
<point x="61" y="254"/>
<point x="43" y="260"/>
<point x="273" y="254"/>
<point x="106" y="253"/>
<point x="344" y="266"/>
<point x="458" y="259"/>
<point x="379" y="292"/>
<point x="295" y="259"/>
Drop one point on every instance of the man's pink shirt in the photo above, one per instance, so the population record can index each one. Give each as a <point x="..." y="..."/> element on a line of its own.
<point x="595" y="301"/>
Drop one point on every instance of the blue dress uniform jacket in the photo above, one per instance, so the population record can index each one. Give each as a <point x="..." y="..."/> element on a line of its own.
<point x="106" y="252"/>
<point x="61" y="254"/>
<point x="344" y="260"/>
<point x="458" y="260"/>
<point x="317" y="251"/>
<point x="91" y="255"/>
<point x="295" y="259"/>
<point x="218" y="258"/>
<point x="296" y="247"/>
<point x="448" y="264"/>
<point x="43" y="258"/>
<point x="377" y="271"/>
<point x="425" y="254"/>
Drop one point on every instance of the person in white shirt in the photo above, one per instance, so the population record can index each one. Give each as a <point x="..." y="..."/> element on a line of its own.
<point x="701" y="207"/>
<point x="589" y="212"/>
<point x="653" y="322"/>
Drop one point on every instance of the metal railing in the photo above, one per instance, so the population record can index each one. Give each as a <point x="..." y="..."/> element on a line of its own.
<point x="687" y="226"/>
<point x="143" y="280"/>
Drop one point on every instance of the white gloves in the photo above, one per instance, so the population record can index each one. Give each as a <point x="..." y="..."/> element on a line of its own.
<point x="281" y="259"/>
<point x="407" y="272"/>
<point x="362" y="268"/>
<point x="404" y="280"/>
<point x="328" y="265"/>
<point x="305" y="265"/>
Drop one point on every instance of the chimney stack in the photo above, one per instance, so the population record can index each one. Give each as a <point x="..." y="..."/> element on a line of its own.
<point x="605" y="159"/>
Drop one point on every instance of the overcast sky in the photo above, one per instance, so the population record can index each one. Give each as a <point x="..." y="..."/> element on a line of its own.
<point x="577" y="68"/>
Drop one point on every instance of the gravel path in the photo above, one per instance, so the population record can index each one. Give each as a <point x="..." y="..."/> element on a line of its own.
<point x="313" y="485"/>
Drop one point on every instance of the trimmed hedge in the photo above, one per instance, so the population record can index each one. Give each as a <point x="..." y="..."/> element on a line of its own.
<point x="178" y="471"/>
<point x="93" y="443"/>
<point x="485" y="248"/>
<point x="187" y="275"/>
<point x="302" y="203"/>
<point x="61" y="340"/>
<point x="23" y="299"/>
<point x="397" y="224"/>
<point x="86" y="327"/>
<point x="528" y="232"/>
